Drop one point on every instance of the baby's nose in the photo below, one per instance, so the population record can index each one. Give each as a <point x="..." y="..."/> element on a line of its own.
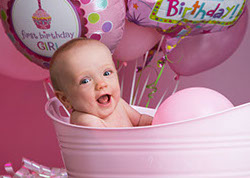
<point x="100" y="85"/>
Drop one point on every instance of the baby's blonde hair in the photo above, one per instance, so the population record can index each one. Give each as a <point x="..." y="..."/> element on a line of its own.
<point x="54" y="74"/>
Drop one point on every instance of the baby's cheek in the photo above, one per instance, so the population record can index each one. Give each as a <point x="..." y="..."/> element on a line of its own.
<point x="114" y="82"/>
<point x="117" y="95"/>
<point x="116" y="88"/>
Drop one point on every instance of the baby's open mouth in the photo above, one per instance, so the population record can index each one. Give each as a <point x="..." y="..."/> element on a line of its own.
<point x="104" y="99"/>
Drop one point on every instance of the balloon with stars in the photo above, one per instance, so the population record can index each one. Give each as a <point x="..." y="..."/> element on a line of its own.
<point x="177" y="19"/>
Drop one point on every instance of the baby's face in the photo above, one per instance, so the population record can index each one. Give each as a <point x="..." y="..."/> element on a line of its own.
<point x="90" y="80"/>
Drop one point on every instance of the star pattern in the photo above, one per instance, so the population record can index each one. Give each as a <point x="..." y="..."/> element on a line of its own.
<point x="135" y="6"/>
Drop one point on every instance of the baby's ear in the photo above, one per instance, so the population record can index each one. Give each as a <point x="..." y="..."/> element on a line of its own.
<point x="61" y="96"/>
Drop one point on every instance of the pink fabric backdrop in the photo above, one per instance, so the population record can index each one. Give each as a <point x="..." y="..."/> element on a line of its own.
<point x="26" y="131"/>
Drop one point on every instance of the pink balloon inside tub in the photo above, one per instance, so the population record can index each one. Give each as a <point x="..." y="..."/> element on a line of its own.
<point x="190" y="103"/>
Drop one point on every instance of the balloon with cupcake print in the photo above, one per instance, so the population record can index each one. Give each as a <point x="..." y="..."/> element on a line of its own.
<point x="41" y="18"/>
<point x="38" y="28"/>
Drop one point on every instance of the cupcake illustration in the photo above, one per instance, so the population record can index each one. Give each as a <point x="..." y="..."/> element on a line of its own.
<point x="41" y="18"/>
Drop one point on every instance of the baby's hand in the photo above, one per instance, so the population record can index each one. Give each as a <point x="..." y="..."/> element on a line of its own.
<point x="145" y="120"/>
<point x="136" y="118"/>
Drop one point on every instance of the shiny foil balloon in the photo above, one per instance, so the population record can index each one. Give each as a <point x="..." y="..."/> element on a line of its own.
<point x="180" y="18"/>
<point x="199" y="53"/>
<point x="13" y="64"/>
<point x="38" y="27"/>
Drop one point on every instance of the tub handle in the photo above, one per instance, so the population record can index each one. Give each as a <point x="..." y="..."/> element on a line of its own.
<point x="59" y="104"/>
<point x="49" y="89"/>
<point x="47" y="85"/>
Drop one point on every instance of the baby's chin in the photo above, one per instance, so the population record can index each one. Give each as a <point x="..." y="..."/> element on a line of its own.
<point x="105" y="113"/>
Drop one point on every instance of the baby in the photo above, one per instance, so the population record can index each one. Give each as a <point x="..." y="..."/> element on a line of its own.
<point x="85" y="81"/>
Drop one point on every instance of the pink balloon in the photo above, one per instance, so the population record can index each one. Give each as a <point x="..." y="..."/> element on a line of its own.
<point x="14" y="64"/>
<point x="37" y="28"/>
<point x="108" y="22"/>
<point x="191" y="103"/>
<point x="202" y="52"/>
<point x="136" y="41"/>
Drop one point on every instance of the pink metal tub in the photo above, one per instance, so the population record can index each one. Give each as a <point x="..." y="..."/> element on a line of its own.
<point x="215" y="146"/>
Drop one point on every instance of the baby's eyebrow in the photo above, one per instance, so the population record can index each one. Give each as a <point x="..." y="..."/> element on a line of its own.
<point x="108" y="67"/>
<point x="81" y="76"/>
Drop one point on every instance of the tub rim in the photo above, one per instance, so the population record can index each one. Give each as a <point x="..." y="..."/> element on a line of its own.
<point x="141" y="127"/>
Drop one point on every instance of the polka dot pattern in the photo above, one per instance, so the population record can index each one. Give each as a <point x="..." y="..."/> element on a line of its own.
<point x="96" y="36"/>
<point x="11" y="37"/>
<point x="28" y="57"/>
<point x="3" y="15"/>
<point x="46" y="65"/>
<point x="107" y="26"/>
<point x="93" y="18"/>
<point x="101" y="4"/>
<point x="85" y="1"/>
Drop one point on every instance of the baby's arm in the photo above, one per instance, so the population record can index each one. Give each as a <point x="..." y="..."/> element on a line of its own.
<point x="78" y="118"/>
<point x="136" y="118"/>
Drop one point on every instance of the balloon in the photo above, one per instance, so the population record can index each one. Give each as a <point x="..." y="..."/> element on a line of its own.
<point x="180" y="18"/>
<point x="202" y="52"/>
<point x="14" y="64"/>
<point x="191" y="103"/>
<point x="37" y="28"/>
<point x="136" y="41"/>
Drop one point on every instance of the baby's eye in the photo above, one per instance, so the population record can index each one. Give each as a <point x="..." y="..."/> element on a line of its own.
<point x="84" y="81"/>
<point x="107" y="73"/>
